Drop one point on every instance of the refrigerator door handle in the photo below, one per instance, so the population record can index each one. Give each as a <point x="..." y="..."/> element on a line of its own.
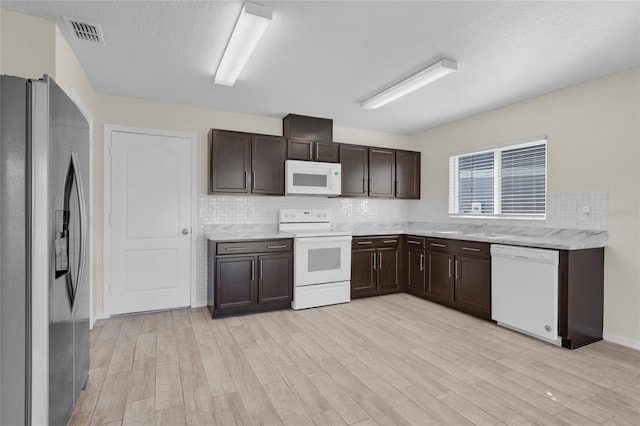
<point x="83" y="229"/>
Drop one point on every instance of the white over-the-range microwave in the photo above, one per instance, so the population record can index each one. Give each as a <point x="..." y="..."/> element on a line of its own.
<point x="313" y="178"/>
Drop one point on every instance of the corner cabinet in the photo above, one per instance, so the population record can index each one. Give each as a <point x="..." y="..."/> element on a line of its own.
<point x="376" y="265"/>
<point x="249" y="276"/>
<point x="246" y="163"/>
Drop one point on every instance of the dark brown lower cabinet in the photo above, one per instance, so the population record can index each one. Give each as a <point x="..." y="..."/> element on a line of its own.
<point x="249" y="276"/>
<point x="274" y="278"/>
<point x="459" y="275"/>
<point x="416" y="265"/>
<point x="376" y="265"/>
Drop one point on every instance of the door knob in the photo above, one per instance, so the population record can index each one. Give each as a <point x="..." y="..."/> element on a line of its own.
<point x="185" y="231"/>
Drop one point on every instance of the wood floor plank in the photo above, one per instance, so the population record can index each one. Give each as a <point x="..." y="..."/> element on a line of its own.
<point x="145" y="346"/>
<point x="167" y="349"/>
<point x="289" y="409"/>
<point x="255" y="400"/>
<point x="113" y="399"/>
<point x="344" y="405"/>
<point x="305" y="390"/>
<point x="328" y="418"/>
<point x="261" y="365"/>
<point x="172" y="416"/>
<point x="142" y="383"/>
<point x="139" y="413"/>
<point x="168" y="387"/>
<point x="218" y="378"/>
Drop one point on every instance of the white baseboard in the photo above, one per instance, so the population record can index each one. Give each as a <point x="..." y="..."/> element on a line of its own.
<point x="199" y="304"/>
<point x="101" y="315"/>
<point x="620" y="340"/>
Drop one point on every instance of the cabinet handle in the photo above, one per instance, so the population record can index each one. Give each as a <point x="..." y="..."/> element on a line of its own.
<point x="253" y="180"/>
<point x="317" y="150"/>
<point x="260" y="277"/>
<point x="311" y="151"/>
<point x="275" y="247"/>
<point x="253" y="272"/>
<point x="364" y="186"/>
<point x="390" y="241"/>
<point x="449" y="268"/>
<point x="245" y="178"/>
<point x="380" y="261"/>
<point x="413" y="242"/>
<point x="373" y="263"/>
<point x="421" y="262"/>
<point x="457" y="276"/>
<point x="470" y="249"/>
<point x="438" y="245"/>
<point x="234" y="248"/>
<point x="361" y="243"/>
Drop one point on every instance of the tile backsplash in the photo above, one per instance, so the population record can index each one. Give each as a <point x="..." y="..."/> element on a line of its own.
<point x="571" y="210"/>
<point x="568" y="210"/>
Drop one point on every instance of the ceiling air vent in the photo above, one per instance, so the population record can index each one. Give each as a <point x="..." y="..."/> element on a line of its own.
<point x="85" y="31"/>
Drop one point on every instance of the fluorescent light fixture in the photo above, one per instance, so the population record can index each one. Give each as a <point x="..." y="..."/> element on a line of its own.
<point x="250" y="26"/>
<point x="414" y="82"/>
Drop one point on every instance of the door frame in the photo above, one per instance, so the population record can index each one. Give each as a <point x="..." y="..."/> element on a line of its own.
<point x="106" y="210"/>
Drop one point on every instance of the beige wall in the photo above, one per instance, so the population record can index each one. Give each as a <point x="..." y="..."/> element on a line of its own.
<point x="27" y="45"/>
<point x="593" y="132"/>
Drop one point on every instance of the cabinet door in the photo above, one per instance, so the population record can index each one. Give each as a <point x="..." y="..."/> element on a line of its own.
<point x="235" y="285"/>
<point x="473" y="284"/>
<point x="267" y="165"/>
<point x="299" y="149"/>
<point x="363" y="270"/>
<point x="388" y="268"/>
<point x="440" y="275"/>
<point x="326" y="151"/>
<point x="355" y="170"/>
<point x="408" y="174"/>
<point x="275" y="278"/>
<point x="229" y="161"/>
<point x="416" y="262"/>
<point x="382" y="172"/>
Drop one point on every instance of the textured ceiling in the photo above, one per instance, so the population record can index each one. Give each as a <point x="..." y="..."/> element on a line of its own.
<point x="323" y="58"/>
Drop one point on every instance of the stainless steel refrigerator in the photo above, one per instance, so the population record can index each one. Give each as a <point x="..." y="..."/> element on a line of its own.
<point x="44" y="252"/>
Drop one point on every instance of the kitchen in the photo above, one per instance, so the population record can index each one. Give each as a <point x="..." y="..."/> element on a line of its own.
<point x="593" y="162"/>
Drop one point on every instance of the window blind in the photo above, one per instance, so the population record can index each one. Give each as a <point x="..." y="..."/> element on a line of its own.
<point x="523" y="180"/>
<point x="504" y="181"/>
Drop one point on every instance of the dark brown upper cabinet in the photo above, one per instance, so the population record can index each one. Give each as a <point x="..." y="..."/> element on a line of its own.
<point x="355" y="170"/>
<point x="308" y="128"/>
<point x="309" y="150"/>
<point x="408" y="175"/>
<point x="246" y="163"/>
<point x="382" y="172"/>
<point x="267" y="164"/>
<point x="229" y="161"/>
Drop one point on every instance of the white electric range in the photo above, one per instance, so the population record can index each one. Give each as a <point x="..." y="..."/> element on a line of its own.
<point x="321" y="258"/>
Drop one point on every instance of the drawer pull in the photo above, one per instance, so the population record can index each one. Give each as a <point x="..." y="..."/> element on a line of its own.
<point x="438" y="245"/>
<point x="364" y="242"/>
<point x="413" y="242"/>
<point x="234" y="248"/>
<point x="380" y="261"/>
<point x="390" y="241"/>
<point x="421" y="262"/>
<point x="274" y="247"/>
<point x="470" y="249"/>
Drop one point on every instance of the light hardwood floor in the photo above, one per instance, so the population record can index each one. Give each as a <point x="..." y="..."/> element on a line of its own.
<point x="388" y="360"/>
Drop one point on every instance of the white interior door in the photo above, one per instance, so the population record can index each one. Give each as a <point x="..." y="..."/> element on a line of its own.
<point x="150" y="250"/>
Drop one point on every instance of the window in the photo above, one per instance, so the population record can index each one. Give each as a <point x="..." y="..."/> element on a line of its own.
<point x="507" y="181"/>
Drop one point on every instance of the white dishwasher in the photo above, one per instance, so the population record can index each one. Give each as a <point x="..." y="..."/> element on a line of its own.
<point x="524" y="290"/>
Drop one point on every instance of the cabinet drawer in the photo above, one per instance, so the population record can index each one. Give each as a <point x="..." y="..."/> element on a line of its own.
<point x="440" y="245"/>
<point x="416" y="242"/>
<point x="377" y="241"/>
<point x="243" y="247"/>
<point x="472" y="248"/>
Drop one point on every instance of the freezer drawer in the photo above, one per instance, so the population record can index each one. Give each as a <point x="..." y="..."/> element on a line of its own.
<point x="524" y="290"/>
